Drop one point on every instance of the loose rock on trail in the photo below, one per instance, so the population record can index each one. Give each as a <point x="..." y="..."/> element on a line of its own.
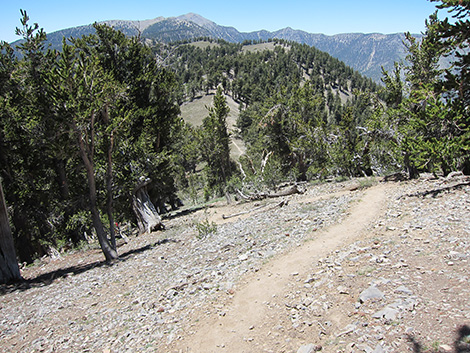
<point x="340" y="268"/>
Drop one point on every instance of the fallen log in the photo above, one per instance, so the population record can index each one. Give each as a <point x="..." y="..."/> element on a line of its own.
<point x="261" y="196"/>
<point x="291" y="191"/>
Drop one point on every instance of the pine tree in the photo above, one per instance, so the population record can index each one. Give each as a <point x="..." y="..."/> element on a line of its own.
<point x="454" y="39"/>
<point x="215" y="149"/>
<point x="421" y="111"/>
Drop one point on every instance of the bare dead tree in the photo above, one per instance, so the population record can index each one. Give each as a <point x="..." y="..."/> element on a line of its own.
<point x="147" y="216"/>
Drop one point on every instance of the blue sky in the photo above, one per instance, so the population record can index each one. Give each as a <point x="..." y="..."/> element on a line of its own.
<point x="314" y="16"/>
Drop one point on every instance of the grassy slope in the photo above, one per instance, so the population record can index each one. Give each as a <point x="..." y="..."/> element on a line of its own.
<point x="194" y="112"/>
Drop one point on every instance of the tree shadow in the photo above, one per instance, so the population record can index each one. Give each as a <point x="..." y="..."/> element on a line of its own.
<point x="436" y="192"/>
<point x="185" y="212"/>
<point x="125" y="256"/>
<point x="461" y="342"/>
<point x="48" y="278"/>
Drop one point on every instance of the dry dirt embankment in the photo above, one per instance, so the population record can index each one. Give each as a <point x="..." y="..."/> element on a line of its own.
<point x="338" y="269"/>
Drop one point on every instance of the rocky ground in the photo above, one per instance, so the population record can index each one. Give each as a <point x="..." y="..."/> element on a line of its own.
<point x="285" y="277"/>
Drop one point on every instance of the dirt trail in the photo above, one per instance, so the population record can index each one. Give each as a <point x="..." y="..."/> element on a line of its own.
<point x="247" y="322"/>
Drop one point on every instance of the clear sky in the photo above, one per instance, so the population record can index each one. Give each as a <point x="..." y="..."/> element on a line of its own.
<point x="314" y="16"/>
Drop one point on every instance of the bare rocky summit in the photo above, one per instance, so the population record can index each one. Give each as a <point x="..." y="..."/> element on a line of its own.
<point x="344" y="267"/>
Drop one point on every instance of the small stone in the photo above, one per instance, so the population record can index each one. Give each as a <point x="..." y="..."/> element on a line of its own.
<point x="348" y="329"/>
<point x="309" y="348"/>
<point x="364" y="348"/>
<point x="243" y="257"/>
<point x="404" y="304"/>
<point x="342" y="290"/>
<point x="370" y="293"/>
<point x="378" y="349"/>
<point x="309" y="280"/>
<point x="386" y="313"/>
<point x="445" y="347"/>
<point x="404" y="290"/>
<point x="307" y="301"/>
<point x="206" y="286"/>
<point x="454" y="255"/>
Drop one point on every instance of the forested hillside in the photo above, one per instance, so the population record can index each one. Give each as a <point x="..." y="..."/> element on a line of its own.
<point x="302" y="87"/>
<point x="366" y="53"/>
<point x="91" y="137"/>
<point x="252" y="71"/>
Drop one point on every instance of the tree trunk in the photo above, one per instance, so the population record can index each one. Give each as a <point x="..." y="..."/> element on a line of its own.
<point x="109" y="180"/>
<point x="109" y="191"/>
<point x="410" y="167"/>
<point x="148" y="218"/>
<point x="108" y="251"/>
<point x="9" y="270"/>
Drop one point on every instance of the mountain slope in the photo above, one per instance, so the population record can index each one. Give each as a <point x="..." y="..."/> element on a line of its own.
<point x="366" y="53"/>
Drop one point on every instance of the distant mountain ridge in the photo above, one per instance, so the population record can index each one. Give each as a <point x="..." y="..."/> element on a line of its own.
<point x="366" y="53"/>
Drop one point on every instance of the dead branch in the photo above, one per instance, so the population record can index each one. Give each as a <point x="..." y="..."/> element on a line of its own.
<point x="265" y="161"/>
<point x="242" y="195"/>
<point x="242" y="171"/>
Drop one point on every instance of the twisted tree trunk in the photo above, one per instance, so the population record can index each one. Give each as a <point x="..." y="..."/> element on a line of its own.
<point x="147" y="216"/>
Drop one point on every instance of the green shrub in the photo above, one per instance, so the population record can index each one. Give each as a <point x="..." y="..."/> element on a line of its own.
<point x="204" y="228"/>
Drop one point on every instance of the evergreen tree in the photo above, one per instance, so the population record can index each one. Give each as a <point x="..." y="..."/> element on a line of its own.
<point x="214" y="139"/>
<point x="89" y="93"/>
<point x="33" y="152"/>
<point x="103" y="103"/>
<point x="454" y="40"/>
<point x="429" y="125"/>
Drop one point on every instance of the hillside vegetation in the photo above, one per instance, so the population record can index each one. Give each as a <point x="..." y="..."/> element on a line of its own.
<point x="251" y="72"/>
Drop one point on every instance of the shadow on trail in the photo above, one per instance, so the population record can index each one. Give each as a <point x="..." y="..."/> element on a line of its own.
<point x="437" y="192"/>
<point x="185" y="212"/>
<point x="461" y="342"/>
<point x="48" y="278"/>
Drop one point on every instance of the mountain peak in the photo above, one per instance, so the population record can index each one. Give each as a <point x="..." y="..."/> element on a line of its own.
<point x="140" y="25"/>
<point x="197" y="19"/>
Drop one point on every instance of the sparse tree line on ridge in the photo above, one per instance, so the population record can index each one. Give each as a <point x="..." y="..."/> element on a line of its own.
<point x="90" y="136"/>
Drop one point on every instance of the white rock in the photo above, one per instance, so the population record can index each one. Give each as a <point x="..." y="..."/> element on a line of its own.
<point x="370" y="293"/>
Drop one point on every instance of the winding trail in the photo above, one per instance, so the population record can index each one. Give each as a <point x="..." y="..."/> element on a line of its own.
<point x="247" y="322"/>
